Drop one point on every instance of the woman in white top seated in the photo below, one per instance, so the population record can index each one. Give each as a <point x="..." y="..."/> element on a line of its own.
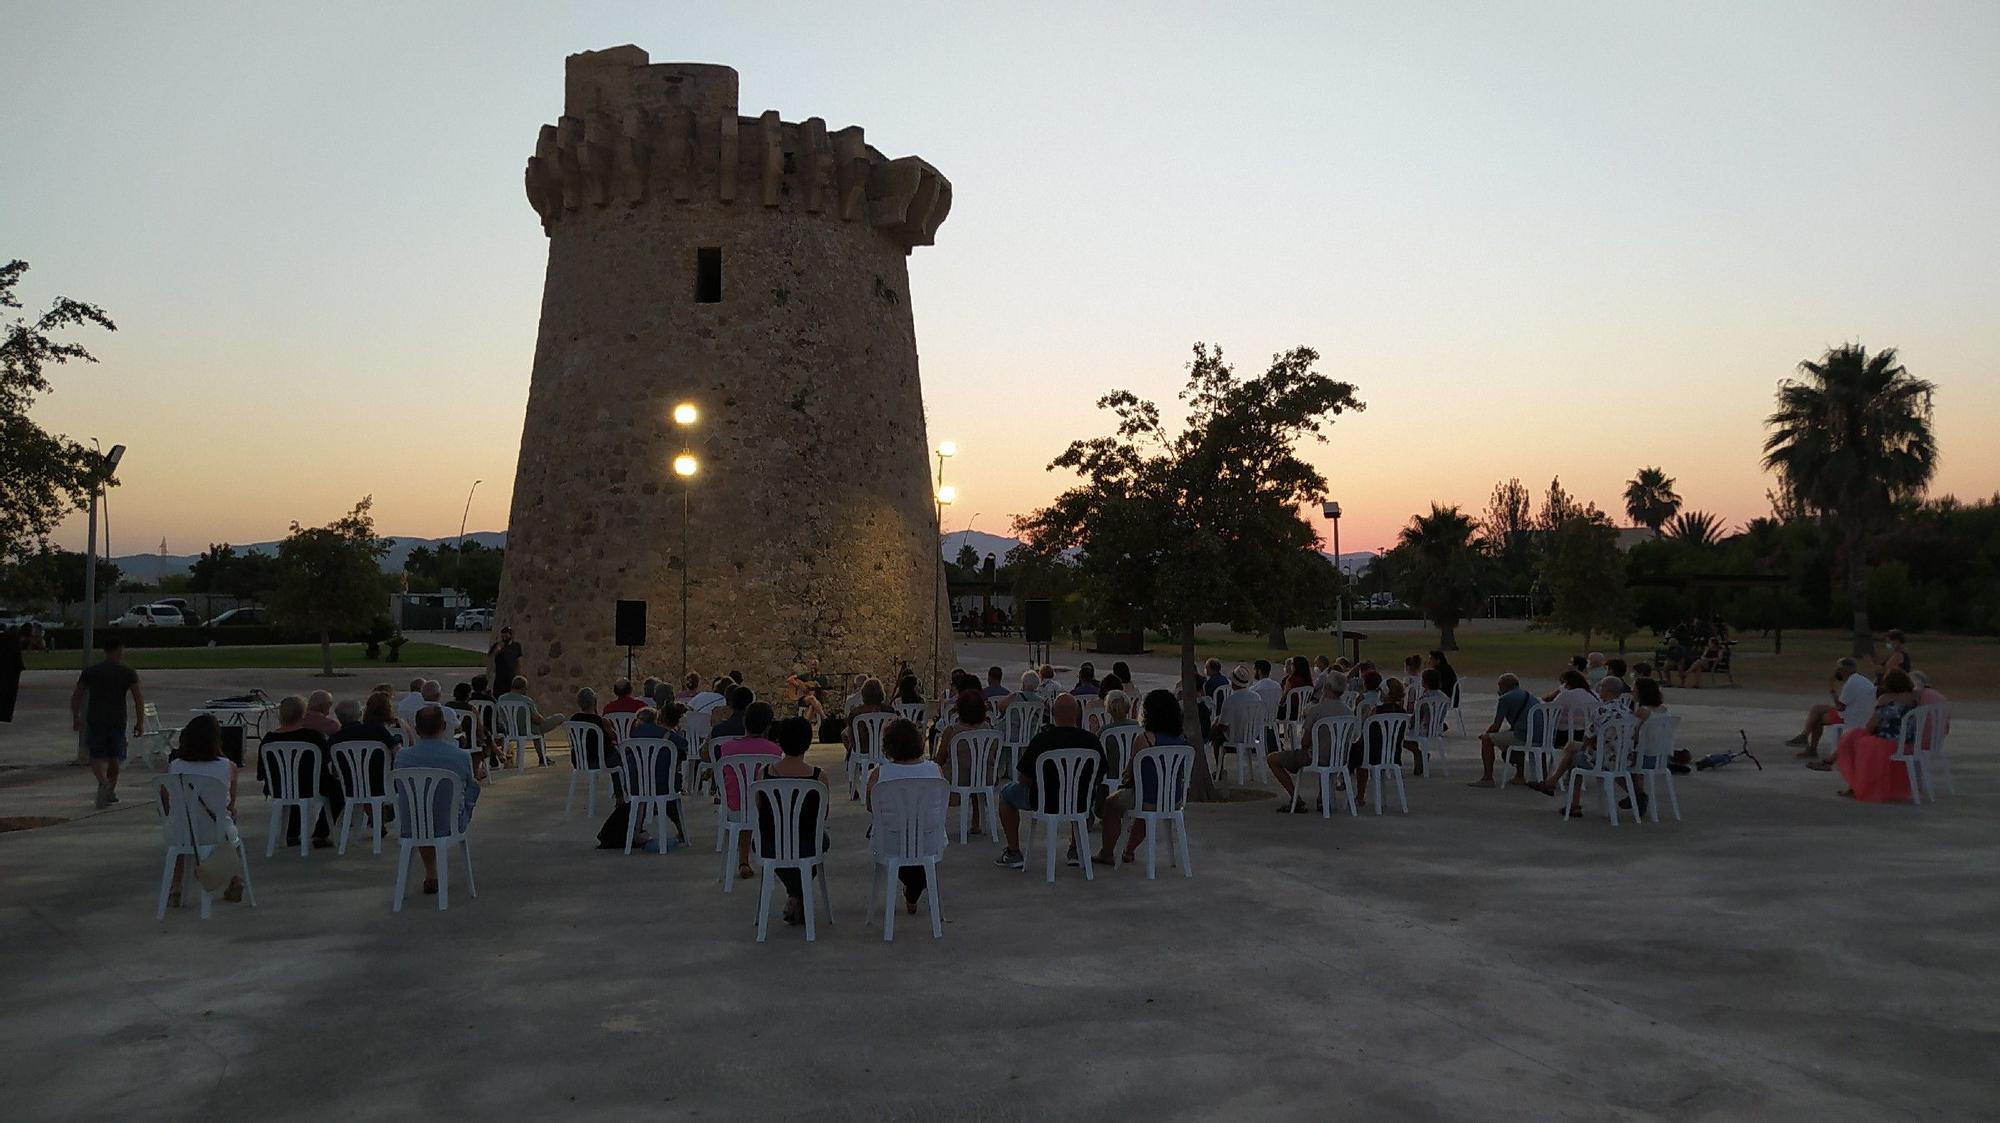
<point x="200" y="754"/>
<point x="903" y="746"/>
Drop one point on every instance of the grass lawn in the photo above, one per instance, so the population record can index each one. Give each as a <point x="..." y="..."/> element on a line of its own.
<point x="1965" y="667"/>
<point x="346" y="655"/>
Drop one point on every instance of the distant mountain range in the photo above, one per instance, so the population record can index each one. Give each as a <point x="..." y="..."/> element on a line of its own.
<point x="150" y="568"/>
<point x="996" y="544"/>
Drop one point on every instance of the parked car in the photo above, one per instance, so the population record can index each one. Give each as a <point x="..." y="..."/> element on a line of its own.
<point x="474" y="620"/>
<point x="151" y="616"/>
<point x="254" y="614"/>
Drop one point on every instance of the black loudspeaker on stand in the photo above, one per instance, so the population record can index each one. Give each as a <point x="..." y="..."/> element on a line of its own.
<point x="630" y="629"/>
<point x="1038" y="627"/>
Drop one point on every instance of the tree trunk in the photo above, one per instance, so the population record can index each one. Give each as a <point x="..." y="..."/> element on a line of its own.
<point x="1277" y="638"/>
<point x="1448" y="636"/>
<point x="1201" y="784"/>
<point x="326" y="652"/>
<point x="1857" y="588"/>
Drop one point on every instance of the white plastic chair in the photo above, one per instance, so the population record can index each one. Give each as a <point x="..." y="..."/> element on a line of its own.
<point x="694" y="726"/>
<point x="1330" y="740"/>
<point x="742" y="768"/>
<point x="489" y="716"/>
<point x="290" y="767"/>
<point x="355" y="763"/>
<point x="621" y="724"/>
<point x="589" y="761"/>
<point x="1656" y="751"/>
<point x="1456" y="703"/>
<point x="1248" y="720"/>
<point x="1609" y="761"/>
<point x="1165" y="770"/>
<point x="465" y="730"/>
<point x="1381" y="736"/>
<point x="1070" y="774"/>
<point x="1538" y="753"/>
<point x="909" y="830"/>
<point x="1117" y="742"/>
<point x="155" y="740"/>
<point x="1920" y="750"/>
<point x="868" y="729"/>
<point x="792" y="825"/>
<point x="1091" y="714"/>
<point x="916" y="713"/>
<point x="1291" y="716"/>
<point x="429" y="807"/>
<point x="648" y="785"/>
<point x="974" y="777"/>
<point x="1427" y="730"/>
<point x="705" y="771"/>
<point x="518" y="734"/>
<point x="1019" y="723"/>
<point x="194" y="820"/>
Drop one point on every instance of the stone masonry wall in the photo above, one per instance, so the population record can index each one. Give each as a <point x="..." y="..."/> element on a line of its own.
<point x="811" y="524"/>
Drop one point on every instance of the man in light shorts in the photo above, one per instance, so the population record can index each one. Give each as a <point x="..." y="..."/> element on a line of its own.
<point x="1511" y="711"/>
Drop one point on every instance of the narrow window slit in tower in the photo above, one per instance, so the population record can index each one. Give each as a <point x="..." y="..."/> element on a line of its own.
<point x="708" y="275"/>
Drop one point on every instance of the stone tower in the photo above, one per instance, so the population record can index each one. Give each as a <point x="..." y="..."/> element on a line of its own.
<point x="757" y="269"/>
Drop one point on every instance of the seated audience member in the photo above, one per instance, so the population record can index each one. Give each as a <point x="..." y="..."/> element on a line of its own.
<point x="903" y="753"/>
<point x="1572" y="695"/>
<point x="728" y="719"/>
<point x="793" y="737"/>
<point x="380" y="710"/>
<point x="1447" y="675"/>
<point x="1218" y="730"/>
<point x="1212" y="678"/>
<point x="1330" y="702"/>
<point x="1064" y="732"/>
<point x="359" y="723"/>
<point x="1266" y="685"/>
<point x="996" y="688"/>
<point x="908" y="692"/>
<point x="1853" y="700"/>
<point x="322" y="782"/>
<point x="1705" y="663"/>
<point x="757" y="718"/>
<point x="1647" y="701"/>
<point x="1117" y="712"/>
<point x="690" y="686"/>
<point x="969" y="713"/>
<point x="1298" y="675"/>
<point x="872" y="701"/>
<point x="1616" y="668"/>
<point x="713" y="698"/>
<point x="319" y="713"/>
<point x="1594" y="669"/>
<point x="1391" y="702"/>
<point x="200" y="754"/>
<point x="1866" y="746"/>
<point x="1161" y="723"/>
<point x="1898" y="658"/>
<point x="482" y="689"/>
<point x="1413" y="676"/>
<point x="538" y="721"/>
<point x="1511" y="711"/>
<point x="1109" y="684"/>
<point x="622" y="700"/>
<point x="1031" y="690"/>
<point x="656" y="725"/>
<point x="601" y="754"/>
<point x="460" y="705"/>
<point x="436" y="749"/>
<point x="1123" y="670"/>
<point x="408" y="705"/>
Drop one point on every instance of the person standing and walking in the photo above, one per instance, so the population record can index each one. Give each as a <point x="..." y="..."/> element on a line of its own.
<point x="97" y="711"/>
<point x="505" y="655"/>
<point x="11" y="664"/>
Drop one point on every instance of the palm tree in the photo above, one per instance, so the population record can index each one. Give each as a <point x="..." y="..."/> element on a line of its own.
<point x="1650" y="499"/>
<point x="1851" y="439"/>
<point x="1438" y="570"/>
<point x="1695" y="527"/>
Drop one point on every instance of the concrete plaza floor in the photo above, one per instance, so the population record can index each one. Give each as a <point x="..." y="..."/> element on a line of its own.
<point x="1779" y="954"/>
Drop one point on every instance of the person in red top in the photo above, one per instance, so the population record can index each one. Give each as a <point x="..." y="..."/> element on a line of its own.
<point x="622" y="701"/>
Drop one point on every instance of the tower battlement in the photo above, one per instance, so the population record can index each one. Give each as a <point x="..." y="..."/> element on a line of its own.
<point x="633" y="131"/>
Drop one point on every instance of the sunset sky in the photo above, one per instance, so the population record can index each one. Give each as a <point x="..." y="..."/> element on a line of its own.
<point x="1541" y="239"/>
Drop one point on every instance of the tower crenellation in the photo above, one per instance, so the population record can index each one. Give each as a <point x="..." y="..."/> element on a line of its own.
<point x="633" y="130"/>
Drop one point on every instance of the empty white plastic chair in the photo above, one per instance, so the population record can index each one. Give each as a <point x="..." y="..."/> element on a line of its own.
<point x="1656" y="751"/>
<point x="1248" y="720"/>
<point x="154" y="739"/>
<point x="908" y="830"/>
<point x="1427" y="730"/>
<point x="588" y="761"/>
<point x="797" y="810"/>
<point x="194" y="820"/>
<point x="1330" y="740"/>
<point x="430" y="808"/>
<point x="867" y="752"/>
<point x="291" y="770"/>
<point x="916" y="713"/>
<point x="1064" y="779"/>
<point x="1382" y="736"/>
<point x="1117" y="742"/>
<point x="736" y="774"/>
<point x="1920" y="750"/>
<point x="1607" y="762"/>
<point x="518" y="734"/>
<point x="653" y="771"/>
<point x="971" y="772"/>
<point x="358" y="763"/>
<point x="621" y="724"/>
<point x="1160" y="776"/>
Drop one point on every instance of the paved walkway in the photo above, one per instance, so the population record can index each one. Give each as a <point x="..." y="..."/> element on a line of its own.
<point x="1780" y="954"/>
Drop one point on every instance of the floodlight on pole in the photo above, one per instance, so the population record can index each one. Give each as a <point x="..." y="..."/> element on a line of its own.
<point x="947" y="448"/>
<point x="686" y="414"/>
<point x="1331" y="510"/>
<point x="946" y="495"/>
<point x="685" y="465"/>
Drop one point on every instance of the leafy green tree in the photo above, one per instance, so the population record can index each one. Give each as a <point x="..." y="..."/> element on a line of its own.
<point x="220" y="569"/>
<point x="1558" y="507"/>
<point x="330" y="578"/>
<point x="473" y="570"/>
<point x="1699" y="528"/>
<point x="1507" y="536"/>
<point x="1851" y="439"/>
<point x="1175" y="529"/>
<point x="51" y="576"/>
<point x="1650" y="499"/>
<point x="1585" y="573"/>
<point x="1435" y="566"/>
<point x="967" y="559"/>
<point x="42" y="475"/>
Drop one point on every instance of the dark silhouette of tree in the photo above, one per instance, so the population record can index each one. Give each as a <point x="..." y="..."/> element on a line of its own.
<point x="43" y="475"/>
<point x="1650" y="499"/>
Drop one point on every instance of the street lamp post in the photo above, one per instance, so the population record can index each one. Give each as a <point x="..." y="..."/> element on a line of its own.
<point x="458" y="563"/>
<point x="1331" y="510"/>
<point x="945" y="494"/>
<point x="685" y="466"/>
<point x="97" y="481"/>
